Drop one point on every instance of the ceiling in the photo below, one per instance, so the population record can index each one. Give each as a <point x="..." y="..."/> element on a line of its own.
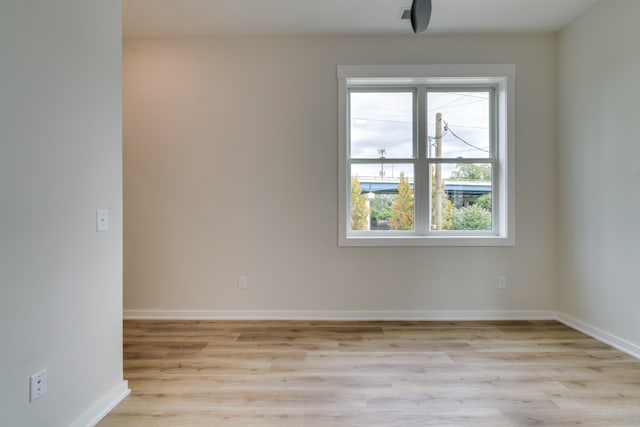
<point x="200" y="18"/>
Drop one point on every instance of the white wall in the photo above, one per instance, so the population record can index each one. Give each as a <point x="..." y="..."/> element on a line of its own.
<point x="230" y="167"/>
<point x="60" y="159"/>
<point x="599" y="171"/>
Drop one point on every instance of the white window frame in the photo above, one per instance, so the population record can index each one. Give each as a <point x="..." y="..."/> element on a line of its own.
<point x="502" y="77"/>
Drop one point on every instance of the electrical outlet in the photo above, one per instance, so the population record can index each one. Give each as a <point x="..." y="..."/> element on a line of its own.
<point x="502" y="282"/>
<point x="242" y="282"/>
<point x="38" y="385"/>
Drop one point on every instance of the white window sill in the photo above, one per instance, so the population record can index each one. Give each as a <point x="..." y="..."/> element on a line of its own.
<point x="372" y="241"/>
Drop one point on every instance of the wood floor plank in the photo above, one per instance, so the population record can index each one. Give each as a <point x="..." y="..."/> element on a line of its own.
<point x="354" y="374"/>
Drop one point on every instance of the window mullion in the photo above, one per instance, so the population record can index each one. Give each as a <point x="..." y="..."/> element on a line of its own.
<point x="421" y="188"/>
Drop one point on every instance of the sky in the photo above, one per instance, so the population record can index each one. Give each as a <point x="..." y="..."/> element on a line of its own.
<point x="383" y="121"/>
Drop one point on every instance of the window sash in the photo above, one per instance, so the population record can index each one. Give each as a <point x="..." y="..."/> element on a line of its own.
<point x="422" y="161"/>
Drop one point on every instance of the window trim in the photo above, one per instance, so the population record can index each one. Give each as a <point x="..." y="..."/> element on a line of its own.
<point x="500" y="75"/>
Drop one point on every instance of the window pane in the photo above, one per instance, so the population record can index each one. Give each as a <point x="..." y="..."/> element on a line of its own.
<point x="461" y="196"/>
<point x="464" y="127"/>
<point x="381" y="125"/>
<point x="382" y="196"/>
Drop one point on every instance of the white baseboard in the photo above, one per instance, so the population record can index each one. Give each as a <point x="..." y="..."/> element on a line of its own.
<point x="103" y="406"/>
<point x="605" y="337"/>
<point x="338" y="315"/>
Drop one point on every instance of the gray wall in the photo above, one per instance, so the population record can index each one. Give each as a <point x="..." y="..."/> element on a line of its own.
<point x="60" y="159"/>
<point x="599" y="172"/>
<point x="230" y="167"/>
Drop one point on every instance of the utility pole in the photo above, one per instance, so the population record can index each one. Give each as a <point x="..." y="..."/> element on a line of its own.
<point x="382" y="152"/>
<point x="438" y="174"/>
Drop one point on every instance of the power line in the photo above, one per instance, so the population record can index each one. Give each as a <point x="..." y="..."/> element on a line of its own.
<point x="447" y="128"/>
<point x="446" y="104"/>
<point x="459" y="96"/>
<point x="380" y="120"/>
<point x="449" y="104"/>
<point x="470" y="127"/>
<point x="431" y="138"/>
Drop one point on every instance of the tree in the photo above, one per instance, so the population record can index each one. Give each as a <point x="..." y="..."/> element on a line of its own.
<point x="402" y="209"/>
<point x="380" y="208"/>
<point x="471" y="218"/>
<point x="471" y="172"/>
<point x="484" y="202"/>
<point x="359" y="208"/>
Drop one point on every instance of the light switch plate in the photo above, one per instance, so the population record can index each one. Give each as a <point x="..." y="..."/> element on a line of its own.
<point x="102" y="220"/>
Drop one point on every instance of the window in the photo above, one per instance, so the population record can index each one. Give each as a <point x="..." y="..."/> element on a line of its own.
<point x="426" y="155"/>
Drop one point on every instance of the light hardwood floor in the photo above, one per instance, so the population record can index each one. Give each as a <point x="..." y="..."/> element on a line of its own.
<point x="299" y="373"/>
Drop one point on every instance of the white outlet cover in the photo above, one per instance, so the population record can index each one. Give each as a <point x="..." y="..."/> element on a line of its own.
<point x="242" y="282"/>
<point x="502" y="282"/>
<point x="38" y="385"/>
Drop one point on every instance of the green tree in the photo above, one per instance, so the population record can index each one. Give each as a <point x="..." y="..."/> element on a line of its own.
<point x="381" y="208"/>
<point x="359" y="209"/>
<point x="471" y="218"/>
<point x="402" y="208"/>
<point x="484" y="201"/>
<point x="471" y="172"/>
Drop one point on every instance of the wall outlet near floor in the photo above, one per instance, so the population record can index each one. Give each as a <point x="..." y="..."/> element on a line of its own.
<point x="242" y="282"/>
<point x="502" y="282"/>
<point x="38" y="385"/>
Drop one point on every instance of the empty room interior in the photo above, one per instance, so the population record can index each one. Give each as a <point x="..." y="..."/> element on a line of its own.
<point x="305" y="213"/>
